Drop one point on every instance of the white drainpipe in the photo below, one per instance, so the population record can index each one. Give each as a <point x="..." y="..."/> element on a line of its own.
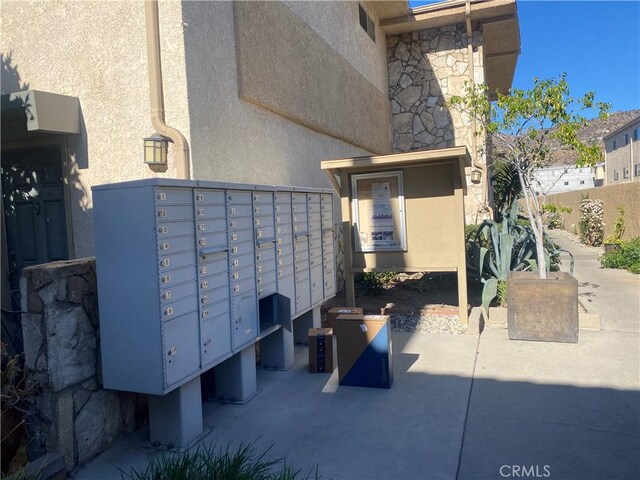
<point x="156" y="97"/>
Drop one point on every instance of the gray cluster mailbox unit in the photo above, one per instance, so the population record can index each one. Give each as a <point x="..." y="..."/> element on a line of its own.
<point x="193" y="273"/>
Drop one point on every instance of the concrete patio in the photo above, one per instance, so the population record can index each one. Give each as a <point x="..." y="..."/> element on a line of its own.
<point x="461" y="407"/>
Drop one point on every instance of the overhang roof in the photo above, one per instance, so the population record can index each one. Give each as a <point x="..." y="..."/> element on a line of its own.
<point x="435" y="156"/>
<point x="501" y="31"/>
<point x="384" y="9"/>
<point x="43" y="112"/>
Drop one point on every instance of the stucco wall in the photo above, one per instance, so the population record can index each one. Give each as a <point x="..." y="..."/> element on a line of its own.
<point x="286" y="67"/>
<point x="235" y="141"/>
<point x="624" y="156"/>
<point x="97" y="52"/>
<point x="625" y="194"/>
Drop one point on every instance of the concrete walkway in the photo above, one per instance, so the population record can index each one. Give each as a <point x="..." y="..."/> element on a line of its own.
<point x="574" y="409"/>
<point x="461" y="407"/>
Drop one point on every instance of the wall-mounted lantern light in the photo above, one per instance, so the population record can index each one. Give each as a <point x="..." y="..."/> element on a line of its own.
<point x="155" y="150"/>
<point x="476" y="176"/>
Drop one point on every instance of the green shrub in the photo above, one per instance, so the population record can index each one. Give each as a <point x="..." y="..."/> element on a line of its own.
<point x="628" y="257"/>
<point x="207" y="463"/>
<point x="618" y="228"/>
<point x="553" y="215"/>
<point x="374" y="283"/>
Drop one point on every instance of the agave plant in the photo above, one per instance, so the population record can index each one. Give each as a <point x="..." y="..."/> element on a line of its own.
<point x="503" y="247"/>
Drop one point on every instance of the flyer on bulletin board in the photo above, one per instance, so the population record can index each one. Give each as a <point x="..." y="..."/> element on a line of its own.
<point x="381" y="216"/>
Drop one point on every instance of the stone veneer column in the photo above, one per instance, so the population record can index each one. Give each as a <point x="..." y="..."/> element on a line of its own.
<point x="72" y="413"/>
<point x="426" y="68"/>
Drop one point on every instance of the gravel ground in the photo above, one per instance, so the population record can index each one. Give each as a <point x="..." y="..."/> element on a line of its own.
<point x="445" y="324"/>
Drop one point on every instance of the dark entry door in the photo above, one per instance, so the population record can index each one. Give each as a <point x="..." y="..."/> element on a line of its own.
<point x="34" y="209"/>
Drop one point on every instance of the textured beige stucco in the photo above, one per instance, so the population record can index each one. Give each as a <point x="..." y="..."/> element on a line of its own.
<point x="624" y="194"/>
<point x="286" y="67"/>
<point x="338" y="23"/>
<point x="97" y="52"/>
<point x="236" y="141"/>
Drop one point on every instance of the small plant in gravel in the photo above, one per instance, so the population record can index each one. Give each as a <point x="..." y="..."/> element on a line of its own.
<point x="591" y="222"/>
<point x="618" y="229"/>
<point x="207" y="463"/>
<point x="628" y="257"/>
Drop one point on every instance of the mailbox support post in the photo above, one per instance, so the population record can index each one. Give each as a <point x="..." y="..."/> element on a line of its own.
<point x="303" y="323"/>
<point x="236" y="380"/>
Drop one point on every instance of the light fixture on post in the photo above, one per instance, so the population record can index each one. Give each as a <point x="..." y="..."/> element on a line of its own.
<point x="155" y="150"/>
<point x="476" y="176"/>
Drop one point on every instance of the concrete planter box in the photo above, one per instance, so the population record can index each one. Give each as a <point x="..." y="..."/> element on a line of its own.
<point x="542" y="310"/>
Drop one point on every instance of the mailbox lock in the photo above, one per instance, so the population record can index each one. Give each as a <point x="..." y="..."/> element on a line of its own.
<point x="257" y="221"/>
<point x="260" y="291"/>
<point x="169" y="311"/>
<point x="235" y="275"/>
<point x="279" y="230"/>
<point x="232" y="224"/>
<point x="202" y="227"/>
<point x="234" y="249"/>
<point x="259" y="257"/>
<point x="259" y="280"/>
<point x="201" y="212"/>
<point x="163" y="229"/>
<point x="205" y="314"/>
<point x="204" y="284"/>
<point x="161" y="196"/>
<point x="167" y="295"/>
<point x="200" y="197"/>
<point x="257" y="210"/>
<point x="207" y="343"/>
<point x="164" y="246"/>
<point x="172" y="351"/>
<point x="236" y="288"/>
<point x="162" y="213"/>
<point x="166" y="279"/>
<point x="259" y="233"/>
<point x="259" y="268"/>
<point x="203" y="270"/>
<point x="203" y="241"/>
<point x="234" y="236"/>
<point x="236" y="262"/>
<point x="256" y="198"/>
<point x="205" y="299"/>
<point x="165" y="263"/>
<point x="233" y="210"/>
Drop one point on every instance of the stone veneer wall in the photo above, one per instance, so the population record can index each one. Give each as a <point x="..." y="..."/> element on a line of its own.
<point x="72" y="414"/>
<point x="426" y="68"/>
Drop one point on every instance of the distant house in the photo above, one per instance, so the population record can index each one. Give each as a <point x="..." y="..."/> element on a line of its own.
<point x="563" y="175"/>
<point x="261" y="90"/>
<point x="622" y="153"/>
<point x="564" y="178"/>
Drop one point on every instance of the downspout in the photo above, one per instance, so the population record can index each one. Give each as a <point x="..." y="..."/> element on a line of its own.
<point x="156" y="96"/>
<point x="474" y="141"/>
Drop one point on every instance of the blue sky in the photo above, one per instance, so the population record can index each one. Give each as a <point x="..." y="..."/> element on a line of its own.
<point x="596" y="43"/>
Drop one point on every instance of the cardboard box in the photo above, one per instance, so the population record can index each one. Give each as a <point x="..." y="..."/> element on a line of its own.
<point x="364" y="350"/>
<point x="335" y="312"/>
<point x="322" y="350"/>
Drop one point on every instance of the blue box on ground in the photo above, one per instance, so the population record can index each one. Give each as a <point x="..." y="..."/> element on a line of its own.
<point x="364" y="351"/>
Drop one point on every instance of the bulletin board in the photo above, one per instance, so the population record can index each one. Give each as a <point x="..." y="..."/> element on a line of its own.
<point x="378" y="212"/>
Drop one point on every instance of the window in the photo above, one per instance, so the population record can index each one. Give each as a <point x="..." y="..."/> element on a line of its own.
<point x="615" y="145"/>
<point x="636" y="169"/>
<point x="636" y="134"/>
<point x="625" y="172"/>
<point x="615" y="175"/>
<point x="626" y="139"/>
<point x="581" y="182"/>
<point x="566" y="183"/>
<point x="367" y="23"/>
